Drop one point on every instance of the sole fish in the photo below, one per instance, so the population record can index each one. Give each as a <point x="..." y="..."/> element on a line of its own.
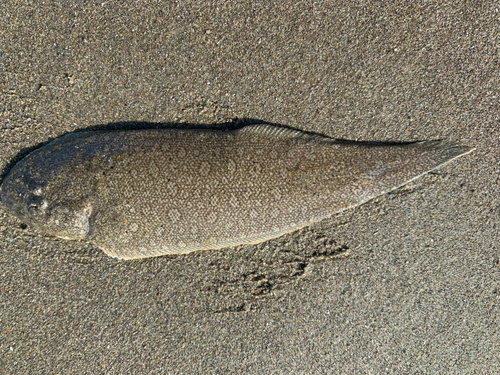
<point x="146" y="193"/>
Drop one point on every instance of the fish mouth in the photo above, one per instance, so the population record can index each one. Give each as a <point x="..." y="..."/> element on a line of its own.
<point x="13" y="197"/>
<point x="21" y="194"/>
<point x="9" y="198"/>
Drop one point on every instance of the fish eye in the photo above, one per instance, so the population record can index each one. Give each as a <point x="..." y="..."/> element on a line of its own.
<point x="37" y="204"/>
<point x="42" y="206"/>
<point x="37" y="191"/>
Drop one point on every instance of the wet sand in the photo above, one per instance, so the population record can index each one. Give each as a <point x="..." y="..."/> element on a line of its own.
<point x="415" y="288"/>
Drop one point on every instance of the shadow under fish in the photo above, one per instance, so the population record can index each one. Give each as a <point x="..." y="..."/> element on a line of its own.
<point x="149" y="192"/>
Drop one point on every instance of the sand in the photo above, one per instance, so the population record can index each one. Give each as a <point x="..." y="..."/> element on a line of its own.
<point x="415" y="288"/>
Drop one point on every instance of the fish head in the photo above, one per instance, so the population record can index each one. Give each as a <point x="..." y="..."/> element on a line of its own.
<point x="42" y="195"/>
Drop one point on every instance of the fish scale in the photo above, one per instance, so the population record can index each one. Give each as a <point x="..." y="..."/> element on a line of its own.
<point x="145" y="193"/>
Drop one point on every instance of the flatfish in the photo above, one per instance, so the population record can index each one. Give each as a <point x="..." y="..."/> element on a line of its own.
<point x="146" y="193"/>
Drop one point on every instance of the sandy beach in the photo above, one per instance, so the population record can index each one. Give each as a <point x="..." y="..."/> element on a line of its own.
<point x="408" y="283"/>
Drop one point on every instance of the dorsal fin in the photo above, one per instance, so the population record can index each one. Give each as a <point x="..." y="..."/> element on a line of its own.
<point x="272" y="131"/>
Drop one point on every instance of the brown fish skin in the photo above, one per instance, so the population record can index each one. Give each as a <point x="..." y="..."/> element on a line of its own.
<point x="146" y="193"/>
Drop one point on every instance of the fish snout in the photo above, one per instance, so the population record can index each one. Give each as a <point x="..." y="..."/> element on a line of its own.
<point x="17" y="195"/>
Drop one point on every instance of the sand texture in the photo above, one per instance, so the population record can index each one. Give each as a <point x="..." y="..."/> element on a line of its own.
<point x="408" y="283"/>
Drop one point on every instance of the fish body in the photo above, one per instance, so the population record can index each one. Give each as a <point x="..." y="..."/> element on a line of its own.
<point x="145" y="193"/>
